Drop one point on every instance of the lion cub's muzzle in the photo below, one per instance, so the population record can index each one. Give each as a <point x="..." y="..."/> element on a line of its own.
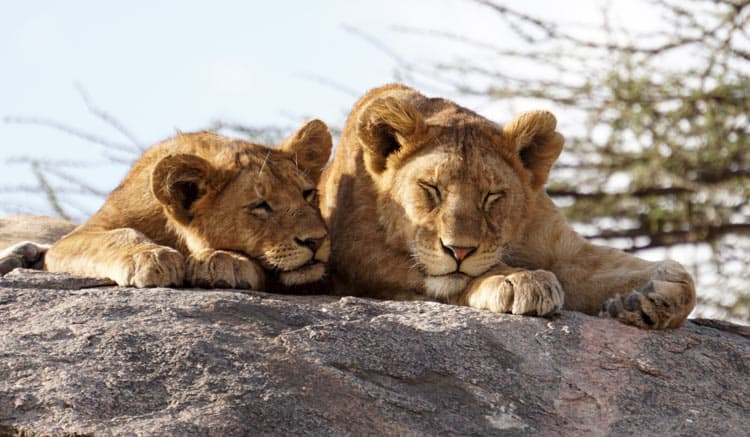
<point x="302" y="262"/>
<point x="449" y="269"/>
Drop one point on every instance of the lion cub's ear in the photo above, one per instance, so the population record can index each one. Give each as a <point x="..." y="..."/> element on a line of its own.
<point x="310" y="147"/>
<point x="178" y="181"/>
<point x="388" y="126"/>
<point x="533" y="136"/>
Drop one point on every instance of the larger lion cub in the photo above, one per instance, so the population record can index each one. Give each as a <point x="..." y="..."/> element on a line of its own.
<point x="426" y="199"/>
<point x="210" y="211"/>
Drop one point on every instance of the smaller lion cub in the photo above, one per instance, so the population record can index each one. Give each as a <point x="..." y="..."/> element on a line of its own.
<point x="209" y="211"/>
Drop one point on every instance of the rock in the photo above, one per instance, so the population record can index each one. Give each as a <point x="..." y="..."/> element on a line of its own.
<point x="41" y="229"/>
<point x="114" y="361"/>
<point x="36" y="279"/>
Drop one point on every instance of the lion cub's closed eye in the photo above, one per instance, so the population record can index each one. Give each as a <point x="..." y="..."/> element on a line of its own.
<point x="206" y="210"/>
<point x="427" y="199"/>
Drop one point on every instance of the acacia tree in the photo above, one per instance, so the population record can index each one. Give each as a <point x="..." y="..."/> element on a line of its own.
<point x="663" y="159"/>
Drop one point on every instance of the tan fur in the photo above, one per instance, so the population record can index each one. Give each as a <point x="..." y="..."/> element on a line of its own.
<point x="426" y="199"/>
<point x="191" y="211"/>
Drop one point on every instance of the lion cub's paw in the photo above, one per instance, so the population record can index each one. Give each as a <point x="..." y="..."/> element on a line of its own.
<point x="644" y="309"/>
<point x="535" y="293"/>
<point x="154" y="267"/>
<point x="26" y="255"/>
<point x="222" y="269"/>
<point x="664" y="302"/>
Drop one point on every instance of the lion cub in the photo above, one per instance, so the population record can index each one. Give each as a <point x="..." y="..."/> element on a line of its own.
<point x="426" y="199"/>
<point x="206" y="210"/>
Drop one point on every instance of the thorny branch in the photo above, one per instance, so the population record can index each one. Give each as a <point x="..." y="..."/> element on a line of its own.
<point x="60" y="186"/>
<point x="49" y="191"/>
<point x="108" y="118"/>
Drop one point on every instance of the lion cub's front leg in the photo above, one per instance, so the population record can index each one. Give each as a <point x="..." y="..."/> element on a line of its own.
<point x="124" y="255"/>
<point x="509" y="290"/>
<point x="222" y="269"/>
<point x="149" y="266"/>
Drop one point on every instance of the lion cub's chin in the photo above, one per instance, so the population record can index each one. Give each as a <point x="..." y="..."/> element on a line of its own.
<point x="441" y="287"/>
<point x="303" y="275"/>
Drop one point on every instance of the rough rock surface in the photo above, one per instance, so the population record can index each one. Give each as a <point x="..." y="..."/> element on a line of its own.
<point x="41" y="229"/>
<point x="114" y="361"/>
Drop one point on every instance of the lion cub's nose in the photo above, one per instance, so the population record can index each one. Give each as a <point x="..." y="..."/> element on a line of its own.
<point x="311" y="243"/>
<point x="458" y="253"/>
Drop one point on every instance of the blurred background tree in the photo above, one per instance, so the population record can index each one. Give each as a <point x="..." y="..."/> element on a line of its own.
<point x="657" y="154"/>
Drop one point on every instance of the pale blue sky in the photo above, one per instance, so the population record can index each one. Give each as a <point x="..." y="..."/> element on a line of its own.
<point x="164" y="65"/>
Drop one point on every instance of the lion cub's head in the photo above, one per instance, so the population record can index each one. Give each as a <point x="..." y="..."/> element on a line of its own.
<point x="228" y="194"/>
<point x="453" y="189"/>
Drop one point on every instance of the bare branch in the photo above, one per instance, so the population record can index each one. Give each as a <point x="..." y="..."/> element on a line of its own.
<point x="378" y="44"/>
<point x="108" y="118"/>
<point x="332" y="84"/>
<point x="49" y="192"/>
<point x="642" y="192"/>
<point x="72" y="131"/>
<point x="84" y="186"/>
<point x="696" y="235"/>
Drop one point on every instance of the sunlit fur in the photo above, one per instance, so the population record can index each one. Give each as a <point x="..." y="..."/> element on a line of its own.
<point x="192" y="207"/>
<point x="446" y="286"/>
<point x="414" y="175"/>
<point x="460" y="218"/>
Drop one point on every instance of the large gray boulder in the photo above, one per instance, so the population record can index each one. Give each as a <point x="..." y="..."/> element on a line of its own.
<point x="79" y="357"/>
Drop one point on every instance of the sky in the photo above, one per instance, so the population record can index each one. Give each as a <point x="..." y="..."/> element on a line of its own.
<point x="160" y="66"/>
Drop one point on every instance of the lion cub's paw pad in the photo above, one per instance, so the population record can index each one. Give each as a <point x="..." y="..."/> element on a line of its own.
<point x="25" y="255"/>
<point x="157" y="267"/>
<point x="645" y="308"/>
<point x="222" y="269"/>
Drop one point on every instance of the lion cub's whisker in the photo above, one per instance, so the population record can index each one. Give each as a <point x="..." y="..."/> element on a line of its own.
<point x="430" y="187"/>
<point x="208" y="211"/>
